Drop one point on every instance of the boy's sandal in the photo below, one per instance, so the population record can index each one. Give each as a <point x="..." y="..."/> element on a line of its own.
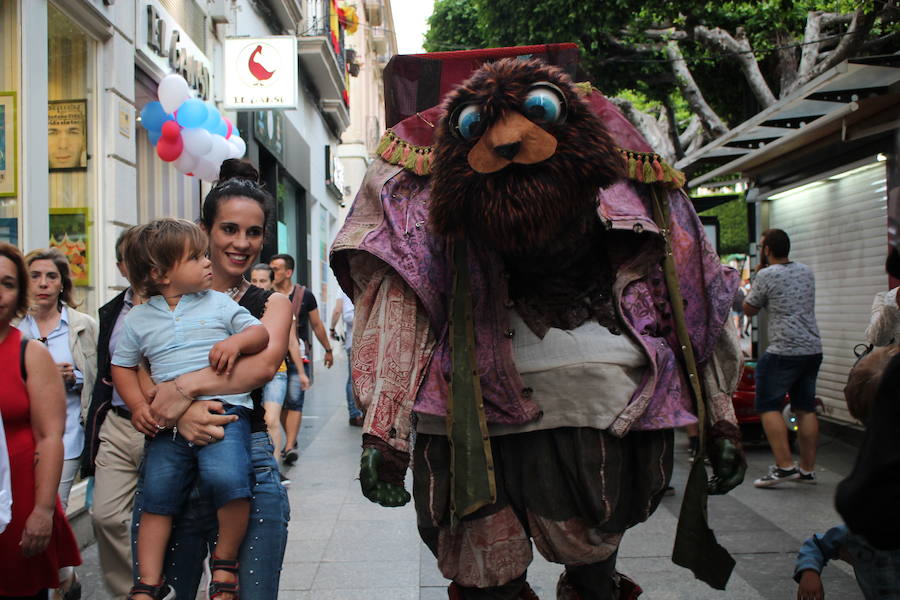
<point x="157" y="592"/>
<point x="217" y="588"/>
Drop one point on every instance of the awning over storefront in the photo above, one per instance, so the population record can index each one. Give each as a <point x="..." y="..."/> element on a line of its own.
<point x="858" y="98"/>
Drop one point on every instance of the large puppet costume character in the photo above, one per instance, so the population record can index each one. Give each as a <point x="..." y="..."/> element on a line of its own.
<point x="511" y="301"/>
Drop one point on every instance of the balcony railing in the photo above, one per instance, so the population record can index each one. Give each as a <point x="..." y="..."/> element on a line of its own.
<point x="321" y="49"/>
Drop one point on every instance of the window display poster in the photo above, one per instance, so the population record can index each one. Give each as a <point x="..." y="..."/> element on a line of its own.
<point x="9" y="230"/>
<point x="67" y="135"/>
<point x="69" y="234"/>
<point x="7" y="143"/>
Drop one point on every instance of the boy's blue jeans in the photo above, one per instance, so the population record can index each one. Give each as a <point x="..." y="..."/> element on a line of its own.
<point x="222" y="470"/>
<point x="195" y="528"/>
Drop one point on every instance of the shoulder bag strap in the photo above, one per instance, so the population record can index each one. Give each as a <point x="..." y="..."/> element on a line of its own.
<point x="23" y="344"/>
<point x="695" y="546"/>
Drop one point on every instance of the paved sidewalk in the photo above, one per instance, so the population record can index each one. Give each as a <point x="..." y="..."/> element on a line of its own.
<point x="342" y="547"/>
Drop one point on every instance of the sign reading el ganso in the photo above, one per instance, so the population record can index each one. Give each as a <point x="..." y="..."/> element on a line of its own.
<point x="261" y="73"/>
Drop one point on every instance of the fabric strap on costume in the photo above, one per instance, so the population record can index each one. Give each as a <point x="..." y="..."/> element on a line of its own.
<point x="695" y="547"/>
<point x="471" y="461"/>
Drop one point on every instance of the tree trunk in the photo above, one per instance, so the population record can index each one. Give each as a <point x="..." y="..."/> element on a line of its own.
<point x="740" y="48"/>
<point x="687" y="136"/>
<point x="860" y="26"/>
<point x="673" y="128"/>
<point x="691" y="92"/>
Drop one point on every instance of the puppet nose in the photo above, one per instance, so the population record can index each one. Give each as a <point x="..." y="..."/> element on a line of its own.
<point x="508" y="151"/>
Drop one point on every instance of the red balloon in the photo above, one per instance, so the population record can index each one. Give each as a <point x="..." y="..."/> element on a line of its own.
<point x="169" y="150"/>
<point x="230" y="127"/>
<point x="171" y="130"/>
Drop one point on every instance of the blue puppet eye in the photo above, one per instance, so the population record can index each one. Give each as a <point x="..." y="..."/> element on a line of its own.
<point x="467" y="121"/>
<point x="544" y="104"/>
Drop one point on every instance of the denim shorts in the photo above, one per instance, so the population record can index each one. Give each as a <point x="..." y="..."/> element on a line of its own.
<point x="779" y="374"/>
<point x="195" y="529"/>
<point x="222" y="469"/>
<point x="275" y="390"/>
<point x="293" y="400"/>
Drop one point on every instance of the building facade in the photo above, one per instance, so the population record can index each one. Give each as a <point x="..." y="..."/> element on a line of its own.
<point x="369" y="48"/>
<point x="82" y="70"/>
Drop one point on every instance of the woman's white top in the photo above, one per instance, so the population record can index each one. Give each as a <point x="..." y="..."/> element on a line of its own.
<point x="58" y="345"/>
<point x="884" y="324"/>
<point x="5" y="481"/>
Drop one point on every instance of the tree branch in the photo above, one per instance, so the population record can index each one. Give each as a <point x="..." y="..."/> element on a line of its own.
<point x="860" y="25"/>
<point x="649" y="126"/>
<point x="691" y="92"/>
<point x="810" y="52"/>
<point x="690" y="132"/>
<point x="740" y="48"/>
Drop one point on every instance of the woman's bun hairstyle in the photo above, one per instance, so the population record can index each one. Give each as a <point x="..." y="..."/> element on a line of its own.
<point x="236" y="168"/>
<point x="237" y="178"/>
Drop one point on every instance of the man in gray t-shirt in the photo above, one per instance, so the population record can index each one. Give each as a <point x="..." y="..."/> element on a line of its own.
<point x="790" y="364"/>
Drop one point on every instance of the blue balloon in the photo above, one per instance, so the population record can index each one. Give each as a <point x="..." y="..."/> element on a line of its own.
<point x="154" y="136"/>
<point x="192" y="113"/>
<point x="153" y="116"/>
<point x="212" y="119"/>
<point x="221" y="128"/>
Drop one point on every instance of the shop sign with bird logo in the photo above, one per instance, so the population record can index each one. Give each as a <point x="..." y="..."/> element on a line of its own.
<point x="261" y="73"/>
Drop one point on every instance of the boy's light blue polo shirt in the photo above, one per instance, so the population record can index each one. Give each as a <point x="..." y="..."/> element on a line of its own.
<point x="178" y="341"/>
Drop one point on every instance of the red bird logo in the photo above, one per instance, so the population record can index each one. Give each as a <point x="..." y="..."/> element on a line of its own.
<point x="256" y="69"/>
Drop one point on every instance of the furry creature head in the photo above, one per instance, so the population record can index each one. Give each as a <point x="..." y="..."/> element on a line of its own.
<point x="519" y="159"/>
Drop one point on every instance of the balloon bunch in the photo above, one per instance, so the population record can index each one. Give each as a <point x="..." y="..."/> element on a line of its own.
<point x="190" y="133"/>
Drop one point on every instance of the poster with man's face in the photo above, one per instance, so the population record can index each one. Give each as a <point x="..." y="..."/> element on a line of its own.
<point x="67" y="135"/>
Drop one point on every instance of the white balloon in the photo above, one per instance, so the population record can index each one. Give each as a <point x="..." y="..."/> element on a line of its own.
<point x="206" y="170"/>
<point x="172" y="91"/>
<point x="220" y="150"/>
<point x="197" y="141"/>
<point x="239" y="145"/>
<point x="186" y="162"/>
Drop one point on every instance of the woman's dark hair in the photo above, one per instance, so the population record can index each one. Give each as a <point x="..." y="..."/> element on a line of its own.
<point x="236" y="178"/>
<point x="61" y="263"/>
<point x="13" y="254"/>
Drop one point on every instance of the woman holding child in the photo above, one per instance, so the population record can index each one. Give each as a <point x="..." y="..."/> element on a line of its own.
<point x="234" y="216"/>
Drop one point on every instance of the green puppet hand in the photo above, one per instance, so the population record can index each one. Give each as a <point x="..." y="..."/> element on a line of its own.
<point x="373" y="486"/>
<point x="729" y="466"/>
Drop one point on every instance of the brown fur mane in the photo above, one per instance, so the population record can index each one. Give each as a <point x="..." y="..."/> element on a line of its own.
<point x="521" y="209"/>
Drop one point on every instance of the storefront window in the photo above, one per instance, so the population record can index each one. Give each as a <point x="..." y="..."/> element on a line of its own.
<point x="9" y="134"/>
<point x="69" y="137"/>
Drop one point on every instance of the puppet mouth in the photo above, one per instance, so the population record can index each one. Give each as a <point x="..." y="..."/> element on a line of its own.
<point x="512" y="139"/>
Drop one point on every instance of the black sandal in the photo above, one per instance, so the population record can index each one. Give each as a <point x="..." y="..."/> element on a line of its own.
<point x="224" y="587"/>
<point x="160" y="591"/>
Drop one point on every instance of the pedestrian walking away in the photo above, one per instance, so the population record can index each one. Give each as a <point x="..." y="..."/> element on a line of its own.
<point x="790" y="364"/>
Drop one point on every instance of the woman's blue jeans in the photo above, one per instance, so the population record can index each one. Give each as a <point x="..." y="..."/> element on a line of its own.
<point x="194" y="532"/>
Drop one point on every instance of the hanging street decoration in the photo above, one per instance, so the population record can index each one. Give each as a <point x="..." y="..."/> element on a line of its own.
<point x="188" y="132"/>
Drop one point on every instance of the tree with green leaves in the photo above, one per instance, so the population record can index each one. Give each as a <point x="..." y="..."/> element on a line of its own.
<point x="682" y="71"/>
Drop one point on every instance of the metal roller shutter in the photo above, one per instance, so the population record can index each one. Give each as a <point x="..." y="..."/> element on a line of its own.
<point x="838" y="226"/>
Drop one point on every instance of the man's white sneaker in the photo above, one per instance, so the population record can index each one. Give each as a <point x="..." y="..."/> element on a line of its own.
<point x="777" y="475"/>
